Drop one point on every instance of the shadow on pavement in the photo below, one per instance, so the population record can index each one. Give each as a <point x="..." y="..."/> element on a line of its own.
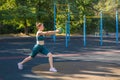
<point x="13" y="50"/>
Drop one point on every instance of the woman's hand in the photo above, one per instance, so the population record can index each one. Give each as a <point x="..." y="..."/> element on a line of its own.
<point x="57" y="31"/>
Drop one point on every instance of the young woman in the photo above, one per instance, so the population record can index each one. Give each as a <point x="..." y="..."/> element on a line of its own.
<point x="39" y="47"/>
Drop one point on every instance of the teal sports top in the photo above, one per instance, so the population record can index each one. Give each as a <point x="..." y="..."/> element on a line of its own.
<point x="40" y="38"/>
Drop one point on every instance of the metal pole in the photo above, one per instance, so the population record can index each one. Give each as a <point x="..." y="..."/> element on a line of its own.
<point x="68" y="22"/>
<point x="66" y="40"/>
<point x="117" y="28"/>
<point x="54" y="37"/>
<point x="84" y="31"/>
<point x="101" y="28"/>
<point x="68" y="28"/>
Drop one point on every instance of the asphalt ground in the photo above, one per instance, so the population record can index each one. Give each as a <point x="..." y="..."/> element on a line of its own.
<point x="93" y="62"/>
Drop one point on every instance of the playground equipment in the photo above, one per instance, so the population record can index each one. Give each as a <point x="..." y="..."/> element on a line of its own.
<point x="54" y="37"/>
<point x="117" y="36"/>
<point x="101" y="28"/>
<point x="67" y="28"/>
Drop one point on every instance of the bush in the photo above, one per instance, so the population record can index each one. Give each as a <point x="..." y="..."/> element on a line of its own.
<point x="6" y="29"/>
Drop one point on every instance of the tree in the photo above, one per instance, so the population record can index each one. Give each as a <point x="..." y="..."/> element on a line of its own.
<point x="24" y="14"/>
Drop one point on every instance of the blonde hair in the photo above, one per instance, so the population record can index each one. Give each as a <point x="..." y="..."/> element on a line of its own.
<point x="38" y="24"/>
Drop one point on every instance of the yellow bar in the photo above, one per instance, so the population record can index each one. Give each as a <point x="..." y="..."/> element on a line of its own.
<point x="75" y="21"/>
<point x="61" y="10"/>
<point x="92" y="16"/>
<point x="62" y="4"/>
<point x="108" y="13"/>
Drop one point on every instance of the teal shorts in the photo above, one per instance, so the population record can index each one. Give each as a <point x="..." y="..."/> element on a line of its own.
<point x="39" y="49"/>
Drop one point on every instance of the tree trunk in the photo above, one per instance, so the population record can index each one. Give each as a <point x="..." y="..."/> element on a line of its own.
<point x="26" y="27"/>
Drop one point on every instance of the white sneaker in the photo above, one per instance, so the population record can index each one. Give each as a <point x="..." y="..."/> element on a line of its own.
<point x="20" y="66"/>
<point x="52" y="70"/>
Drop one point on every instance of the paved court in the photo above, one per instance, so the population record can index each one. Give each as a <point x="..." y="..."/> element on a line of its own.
<point x="77" y="62"/>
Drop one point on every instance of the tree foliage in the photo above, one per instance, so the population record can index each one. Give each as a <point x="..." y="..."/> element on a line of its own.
<point x="21" y="15"/>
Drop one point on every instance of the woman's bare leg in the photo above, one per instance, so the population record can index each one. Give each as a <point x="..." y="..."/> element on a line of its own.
<point x="50" y="59"/>
<point x="26" y="59"/>
<point x="51" y="62"/>
<point x="20" y="64"/>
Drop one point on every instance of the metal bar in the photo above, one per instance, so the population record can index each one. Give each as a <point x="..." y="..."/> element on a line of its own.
<point x="117" y="28"/>
<point x="84" y="31"/>
<point x="54" y="36"/>
<point x="101" y="28"/>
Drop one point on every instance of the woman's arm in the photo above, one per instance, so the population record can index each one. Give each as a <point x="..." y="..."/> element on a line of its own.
<point x="48" y="32"/>
<point x="52" y="32"/>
